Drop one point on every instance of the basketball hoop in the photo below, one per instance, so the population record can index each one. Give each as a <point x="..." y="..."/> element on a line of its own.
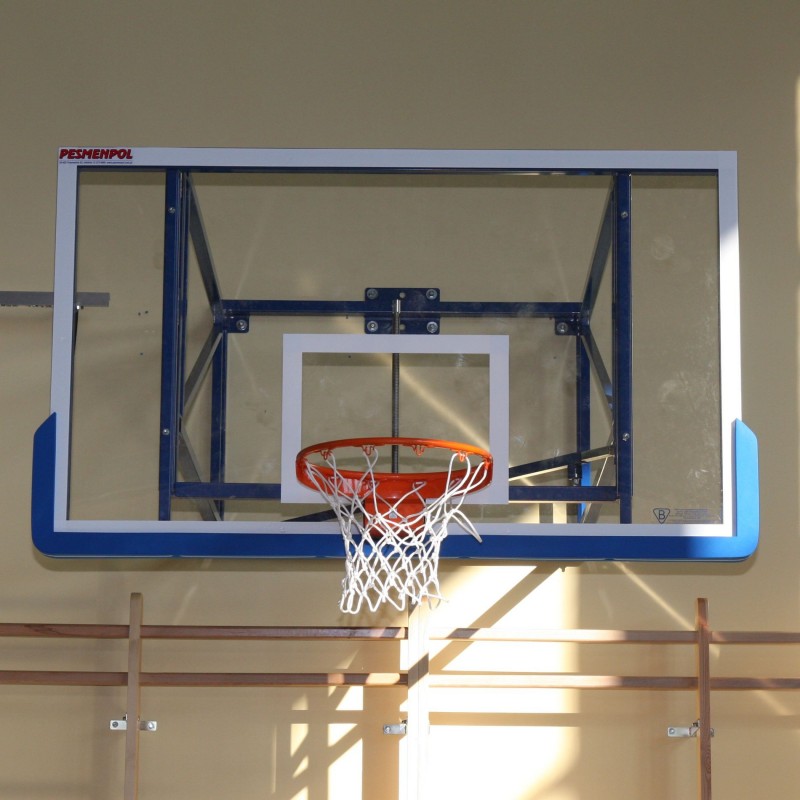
<point x="393" y="523"/>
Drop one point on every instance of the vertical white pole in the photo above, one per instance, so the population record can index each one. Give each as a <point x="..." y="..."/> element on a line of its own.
<point x="418" y="725"/>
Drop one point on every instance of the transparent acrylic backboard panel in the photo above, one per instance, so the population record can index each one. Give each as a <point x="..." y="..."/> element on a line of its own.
<point x="575" y="313"/>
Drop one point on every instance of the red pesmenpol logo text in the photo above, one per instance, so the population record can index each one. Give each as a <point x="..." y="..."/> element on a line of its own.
<point x="95" y="154"/>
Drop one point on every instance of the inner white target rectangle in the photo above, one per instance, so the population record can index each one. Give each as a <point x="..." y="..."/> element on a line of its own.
<point x="298" y="361"/>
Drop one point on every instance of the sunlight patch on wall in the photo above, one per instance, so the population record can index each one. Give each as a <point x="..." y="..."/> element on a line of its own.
<point x="528" y="734"/>
<point x="298" y="741"/>
<point x="498" y="762"/>
<point x="503" y="594"/>
<point x="343" y="783"/>
<point x="351" y="699"/>
<point x="300" y="703"/>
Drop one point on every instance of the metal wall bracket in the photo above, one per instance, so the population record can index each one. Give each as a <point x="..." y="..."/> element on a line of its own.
<point x="122" y="724"/>
<point x="398" y="729"/>
<point x="686" y="733"/>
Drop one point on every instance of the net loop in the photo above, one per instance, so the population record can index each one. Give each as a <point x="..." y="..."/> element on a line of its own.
<point x="393" y="524"/>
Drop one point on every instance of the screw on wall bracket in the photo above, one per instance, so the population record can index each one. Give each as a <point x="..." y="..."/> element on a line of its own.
<point x="122" y="724"/>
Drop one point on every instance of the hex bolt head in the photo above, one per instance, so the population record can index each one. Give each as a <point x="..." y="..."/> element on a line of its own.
<point x="372" y="326"/>
<point x="431" y="294"/>
<point x="241" y="325"/>
<point x="432" y="327"/>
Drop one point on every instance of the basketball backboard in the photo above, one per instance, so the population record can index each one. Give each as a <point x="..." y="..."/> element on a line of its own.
<point x="575" y="312"/>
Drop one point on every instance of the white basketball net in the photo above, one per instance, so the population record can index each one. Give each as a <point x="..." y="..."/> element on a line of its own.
<point x="391" y="558"/>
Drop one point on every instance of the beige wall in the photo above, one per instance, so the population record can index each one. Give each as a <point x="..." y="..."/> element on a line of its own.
<point x="561" y="75"/>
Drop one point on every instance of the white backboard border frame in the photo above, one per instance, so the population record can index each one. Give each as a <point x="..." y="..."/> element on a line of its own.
<point x="55" y="534"/>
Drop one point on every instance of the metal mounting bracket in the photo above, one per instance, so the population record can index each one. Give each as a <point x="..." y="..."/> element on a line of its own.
<point x="418" y="310"/>
<point x="398" y="729"/>
<point x="685" y="733"/>
<point x="568" y="326"/>
<point x="122" y="724"/>
<point x="240" y="323"/>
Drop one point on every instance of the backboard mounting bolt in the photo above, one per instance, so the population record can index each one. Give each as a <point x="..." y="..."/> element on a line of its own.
<point x="562" y="328"/>
<point x="626" y="437"/>
<point x="372" y="326"/>
<point x="431" y="294"/>
<point x="432" y="327"/>
<point x="624" y="215"/>
<point x="165" y="431"/>
<point x="241" y="325"/>
<point x="372" y="294"/>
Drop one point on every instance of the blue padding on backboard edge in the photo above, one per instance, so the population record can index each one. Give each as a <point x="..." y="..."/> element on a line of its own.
<point x="642" y="548"/>
<point x="116" y="544"/>
<point x="747" y="509"/>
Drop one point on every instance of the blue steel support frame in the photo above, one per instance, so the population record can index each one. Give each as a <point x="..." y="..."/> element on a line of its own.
<point x="184" y="228"/>
<point x="587" y="353"/>
<point x="623" y="344"/>
<point x="219" y="415"/>
<point x="173" y="317"/>
<point x="581" y="471"/>
<point x="218" y="337"/>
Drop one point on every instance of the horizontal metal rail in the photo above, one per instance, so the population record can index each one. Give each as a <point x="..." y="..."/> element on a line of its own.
<point x="543" y="310"/>
<point x="199" y="632"/>
<point x="201" y="679"/>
